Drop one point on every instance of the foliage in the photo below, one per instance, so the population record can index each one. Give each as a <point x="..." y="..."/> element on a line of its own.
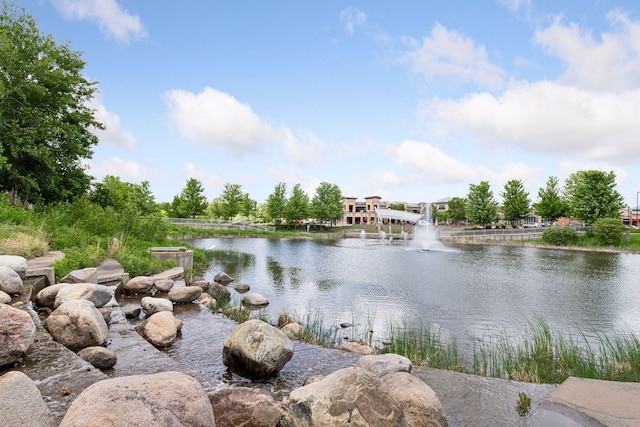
<point x="560" y="236"/>
<point x="515" y="201"/>
<point x="22" y="240"/>
<point x="230" y="201"/>
<point x="46" y="122"/>
<point x="191" y="202"/>
<point x="481" y="206"/>
<point x="608" y="231"/>
<point x="297" y="208"/>
<point x="524" y="404"/>
<point x="551" y="205"/>
<point x="277" y="202"/>
<point x="124" y="196"/>
<point x="457" y="209"/>
<point x="327" y="204"/>
<point x="397" y="206"/>
<point x="592" y="195"/>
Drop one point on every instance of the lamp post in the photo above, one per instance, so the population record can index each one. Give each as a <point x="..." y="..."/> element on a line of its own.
<point x="637" y="192"/>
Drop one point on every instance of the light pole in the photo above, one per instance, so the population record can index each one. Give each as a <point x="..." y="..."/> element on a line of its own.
<point x="637" y="192"/>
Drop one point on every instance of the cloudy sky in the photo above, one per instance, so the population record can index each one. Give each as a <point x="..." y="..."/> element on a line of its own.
<point x="412" y="100"/>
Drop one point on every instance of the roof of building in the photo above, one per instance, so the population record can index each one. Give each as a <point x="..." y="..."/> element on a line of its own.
<point x="398" y="215"/>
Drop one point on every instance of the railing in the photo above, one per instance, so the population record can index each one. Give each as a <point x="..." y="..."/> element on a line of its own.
<point x="218" y="224"/>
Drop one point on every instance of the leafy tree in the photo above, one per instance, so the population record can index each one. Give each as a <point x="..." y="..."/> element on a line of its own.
<point x="248" y="206"/>
<point x="481" y="205"/>
<point x="298" y="205"/>
<point x="551" y="205"/>
<point x="457" y="209"/>
<point x="277" y="202"/>
<point x="397" y="206"/>
<point x="192" y="200"/>
<point x="608" y="231"/>
<point x="124" y="196"/>
<point x="515" y="201"/>
<point x="45" y="118"/>
<point x="231" y="200"/>
<point x="327" y="205"/>
<point x="592" y="195"/>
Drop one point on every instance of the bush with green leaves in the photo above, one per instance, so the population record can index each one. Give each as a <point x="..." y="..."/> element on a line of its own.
<point x="608" y="231"/>
<point x="560" y="236"/>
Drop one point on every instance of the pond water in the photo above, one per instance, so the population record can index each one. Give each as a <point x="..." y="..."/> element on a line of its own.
<point x="468" y="292"/>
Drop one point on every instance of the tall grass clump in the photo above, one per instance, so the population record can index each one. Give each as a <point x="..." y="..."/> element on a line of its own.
<point x="423" y="345"/>
<point x="542" y="357"/>
<point x="314" y="332"/>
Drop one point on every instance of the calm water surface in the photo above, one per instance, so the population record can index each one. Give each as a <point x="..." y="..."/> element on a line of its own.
<point x="469" y="292"/>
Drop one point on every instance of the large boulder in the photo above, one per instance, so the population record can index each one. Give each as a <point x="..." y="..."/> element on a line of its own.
<point x="256" y="350"/>
<point x="16" y="263"/>
<point x="99" y="295"/>
<point x="418" y="402"/>
<point x="17" y="333"/>
<point x="184" y="294"/>
<point x="219" y="292"/>
<point x="10" y="281"/>
<point x="47" y="296"/>
<point x="160" y="329"/>
<point x="139" y="285"/>
<point x="163" y="399"/>
<point x="152" y="305"/>
<point x="77" y="324"/>
<point x="100" y="357"/>
<point x="21" y="403"/>
<point x="244" y="406"/>
<point x="350" y="396"/>
<point x="85" y="275"/>
<point x="164" y="285"/>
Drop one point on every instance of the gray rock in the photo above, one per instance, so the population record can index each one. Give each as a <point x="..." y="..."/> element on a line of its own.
<point x="383" y="364"/>
<point x="139" y="285"/>
<point x="219" y="292"/>
<point x="202" y="284"/>
<point x="255" y="300"/>
<point x="160" y="329"/>
<point x="356" y="347"/>
<point x="132" y="312"/>
<point x="163" y="399"/>
<point x="10" y="281"/>
<point x="223" y="278"/>
<point x="152" y="305"/>
<point x="185" y="294"/>
<point x="244" y="406"/>
<point x="47" y="296"/>
<point x="16" y="263"/>
<point x="85" y="275"/>
<point x="106" y="314"/>
<point x="100" y="357"/>
<point x="17" y="333"/>
<point x="99" y="295"/>
<point x="21" y="403"/>
<point x="256" y="350"/>
<point x="164" y="285"/>
<point x="207" y="300"/>
<point x="292" y="330"/>
<point x="77" y="324"/>
<point x="5" y="298"/>
<point x="241" y="288"/>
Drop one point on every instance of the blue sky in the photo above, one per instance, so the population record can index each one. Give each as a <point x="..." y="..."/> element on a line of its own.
<point x="410" y="100"/>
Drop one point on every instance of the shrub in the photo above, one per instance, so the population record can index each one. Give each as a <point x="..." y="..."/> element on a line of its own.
<point x="608" y="231"/>
<point x="560" y="236"/>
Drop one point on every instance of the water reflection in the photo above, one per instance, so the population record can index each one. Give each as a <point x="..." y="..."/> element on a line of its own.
<point x="471" y="292"/>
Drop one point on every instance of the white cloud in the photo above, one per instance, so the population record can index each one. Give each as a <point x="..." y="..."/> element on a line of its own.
<point x="611" y="62"/>
<point x="548" y="117"/>
<point x="432" y="164"/>
<point x="450" y="55"/>
<point x="352" y="18"/>
<point x="529" y="175"/>
<point x="215" y="118"/>
<point x="113" y="134"/>
<point x="127" y="170"/>
<point x="569" y="167"/>
<point x="112" y="19"/>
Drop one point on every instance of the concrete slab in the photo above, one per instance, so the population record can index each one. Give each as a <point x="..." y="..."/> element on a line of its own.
<point x="173" y="273"/>
<point x="587" y="402"/>
<point x="41" y="267"/>
<point x="110" y="272"/>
